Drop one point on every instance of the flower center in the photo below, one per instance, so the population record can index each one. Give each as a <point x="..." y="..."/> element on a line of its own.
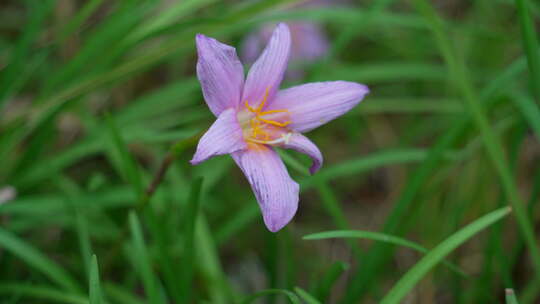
<point x="265" y="127"/>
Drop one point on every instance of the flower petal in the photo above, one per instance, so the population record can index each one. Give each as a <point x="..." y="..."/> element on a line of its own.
<point x="302" y="144"/>
<point x="223" y="137"/>
<point x="274" y="189"/>
<point x="221" y="74"/>
<point x="267" y="72"/>
<point x="313" y="104"/>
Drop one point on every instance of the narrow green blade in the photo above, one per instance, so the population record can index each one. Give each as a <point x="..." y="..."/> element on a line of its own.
<point x="94" y="284"/>
<point x="530" y="42"/>
<point x="122" y="159"/>
<point x="377" y="236"/>
<point x="417" y="272"/>
<point x="291" y="297"/>
<point x="42" y="293"/>
<point x="188" y="258"/>
<point x="37" y="260"/>
<point x="144" y="265"/>
<point x="309" y="299"/>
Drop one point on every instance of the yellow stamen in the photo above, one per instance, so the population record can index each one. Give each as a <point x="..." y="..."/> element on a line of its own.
<point x="258" y="123"/>
<point x="261" y="105"/>
<point x="275" y="123"/>
<point x="272" y="111"/>
<point x="250" y="108"/>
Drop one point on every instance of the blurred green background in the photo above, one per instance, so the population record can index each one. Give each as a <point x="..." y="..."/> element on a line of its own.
<point x="95" y="95"/>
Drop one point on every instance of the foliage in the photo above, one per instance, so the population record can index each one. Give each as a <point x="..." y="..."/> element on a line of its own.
<point x="98" y="98"/>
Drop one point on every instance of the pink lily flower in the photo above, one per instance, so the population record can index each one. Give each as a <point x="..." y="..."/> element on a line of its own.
<point x="254" y="117"/>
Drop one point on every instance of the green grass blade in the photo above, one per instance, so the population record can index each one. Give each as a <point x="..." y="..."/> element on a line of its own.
<point x="163" y="235"/>
<point x="241" y="220"/>
<point x="37" y="260"/>
<point x="122" y="159"/>
<point x="492" y="143"/>
<point x="530" y="291"/>
<point x="409" y="105"/>
<point x="42" y="293"/>
<point x="173" y="12"/>
<point x="349" y="33"/>
<point x="108" y="35"/>
<point x="188" y="257"/>
<point x="386" y="72"/>
<point x="370" y="235"/>
<point x="293" y="163"/>
<point x="137" y="64"/>
<point x="209" y="263"/>
<point x="333" y="208"/>
<point x="380" y="252"/>
<point x="144" y="265"/>
<point x="530" y="111"/>
<point x="121" y="295"/>
<point x="510" y="296"/>
<point x="77" y="21"/>
<point x="73" y="193"/>
<point x="344" y="16"/>
<point x="417" y="272"/>
<point x="530" y="43"/>
<point x="369" y="162"/>
<point x="324" y="286"/>
<point x="37" y="12"/>
<point x="94" y="284"/>
<point x="84" y="237"/>
<point x="291" y="297"/>
<point x="377" y="236"/>
<point x="304" y="295"/>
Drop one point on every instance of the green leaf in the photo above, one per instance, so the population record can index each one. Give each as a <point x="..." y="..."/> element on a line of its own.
<point x="343" y="16"/>
<point x="493" y="144"/>
<point x="324" y="286"/>
<point x="530" y="42"/>
<point x="386" y="72"/>
<point x="37" y="12"/>
<point x="121" y="295"/>
<point x="143" y="262"/>
<point x="209" y="264"/>
<point x="84" y="237"/>
<point x="377" y="236"/>
<point x="37" y="260"/>
<point x="73" y="193"/>
<point x="188" y="257"/>
<point x="75" y="23"/>
<point x="170" y="13"/>
<point x="94" y="286"/>
<point x="333" y="208"/>
<point x="43" y="293"/>
<point x="242" y="218"/>
<point x="437" y="254"/>
<point x="530" y="111"/>
<point x="293" y="163"/>
<point x="367" y="163"/>
<point x="409" y="105"/>
<point x="122" y="159"/>
<point x="291" y="297"/>
<point x="309" y="299"/>
<point x="376" y="257"/>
